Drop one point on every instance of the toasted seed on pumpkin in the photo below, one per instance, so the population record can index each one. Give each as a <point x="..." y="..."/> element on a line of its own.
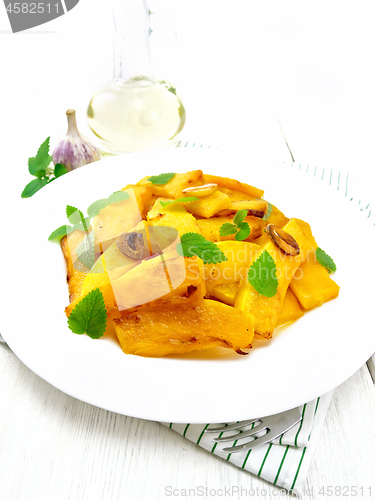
<point x="132" y="245"/>
<point x="201" y="191"/>
<point x="283" y="240"/>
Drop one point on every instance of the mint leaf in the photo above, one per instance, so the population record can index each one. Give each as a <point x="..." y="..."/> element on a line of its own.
<point x="59" y="170"/>
<point x="187" y="199"/>
<point x="262" y="275"/>
<point x="40" y="162"/>
<point x="76" y="218"/>
<point x="161" y="179"/>
<point x="98" y="205"/>
<point x="244" y="231"/>
<point x="239" y="217"/>
<point x="70" y="211"/>
<point x="269" y="211"/>
<point x="33" y="186"/>
<point x="89" y="315"/>
<point x="325" y="260"/>
<point x="227" y="229"/>
<point x="35" y="169"/>
<point x="60" y="232"/>
<point x="192" y="244"/>
<point x="118" y="196"/>
<point x="85" y="250"/>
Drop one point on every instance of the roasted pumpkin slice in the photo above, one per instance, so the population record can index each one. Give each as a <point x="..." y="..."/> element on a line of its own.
<point x="255" y="208"/>
<point x="143" y="196"/>
<point x="226" y="293"/>
<point x="163" y="280"/>
<point x="306" y="229"/>
<point x="158" y="208"/>
<point x="210" y="205"/>
<point x="114" y="220"/>
<point x="234" y="185"/>
<point x="74" y="277"/>
<point x="178" y="330"/>
<point x="267" y="309"/>
<point x="290" y="310"/>
<point x="176" y="217"/>
<point x="236" y="195"/>
<point x="240" y="255"/>
<point x="210" y="228"/>
<point x="313" y="286"/>
<point x="109" y="266"/>
<point x="277" y="217"/>
<point x="174" y="187"/>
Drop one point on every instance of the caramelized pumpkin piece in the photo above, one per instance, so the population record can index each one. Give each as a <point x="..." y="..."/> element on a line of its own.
<point x="240" y="255"/>
<point x="313" y="286"/>
<point x="174" y="187"/>
<point x="306" y="229"/>
<point x="74" y="277"/>
<point x="277" y="217"/>
<point x="109" y="266"/>
<point x="267" y="309"/>
<point x="209" y="205"/>
<point x="178" y="330"/>
<point x="290" y="310"/>
<point x="176" y="216"/>
<point x="236" y="195"/>
<point x="163" y="280"/>
<point x="255" y="208"/>
<point x="226" y="293"/>
<point x="157" y="208"/>
<point x="210" y="228"/>
<point x="114" y="220"/>
<point x="143" y="196"/>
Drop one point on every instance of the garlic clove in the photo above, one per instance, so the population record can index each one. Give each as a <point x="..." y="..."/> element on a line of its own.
<point x="75" y="150"/>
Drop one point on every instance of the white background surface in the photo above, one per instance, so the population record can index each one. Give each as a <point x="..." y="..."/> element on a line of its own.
<point x="238" y="64"/>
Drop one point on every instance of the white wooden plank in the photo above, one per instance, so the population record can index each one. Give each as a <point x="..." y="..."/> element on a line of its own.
<point x="54" y="446"/>
<point x="344" y="455"/>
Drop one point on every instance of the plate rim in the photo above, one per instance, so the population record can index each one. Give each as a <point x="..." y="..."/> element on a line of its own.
<point x="9" y="341"/>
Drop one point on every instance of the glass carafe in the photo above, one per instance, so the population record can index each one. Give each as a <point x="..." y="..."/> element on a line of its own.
<point x="134" y="111"/>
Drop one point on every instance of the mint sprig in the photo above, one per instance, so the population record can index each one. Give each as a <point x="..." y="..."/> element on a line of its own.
<point x="325" y="260"/>
<point x="240" y="228"/>
<point x="39" y="167"/>
<point x="89" y="315"/>
<point x="161" y="179"/>
<point x="262" y="275"/>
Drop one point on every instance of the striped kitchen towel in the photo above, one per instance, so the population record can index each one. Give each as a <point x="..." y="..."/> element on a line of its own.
<point x="283" y="462"/>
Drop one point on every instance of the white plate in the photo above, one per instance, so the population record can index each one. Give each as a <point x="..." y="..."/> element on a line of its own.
<point x="304" y="361"/>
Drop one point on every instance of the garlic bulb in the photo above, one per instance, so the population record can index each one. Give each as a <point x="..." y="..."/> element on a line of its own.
<point x="75" y="150"/>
